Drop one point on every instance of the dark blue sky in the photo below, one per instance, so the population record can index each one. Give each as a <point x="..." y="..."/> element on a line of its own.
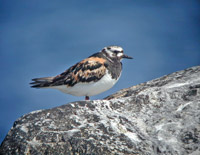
<point x="44" y="38"/>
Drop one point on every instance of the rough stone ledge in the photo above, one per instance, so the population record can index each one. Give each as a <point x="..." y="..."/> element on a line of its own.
<point x="161" y="116"/>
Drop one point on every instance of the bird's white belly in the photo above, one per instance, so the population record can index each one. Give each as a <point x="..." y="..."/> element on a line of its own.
<point x="89" y="89"/>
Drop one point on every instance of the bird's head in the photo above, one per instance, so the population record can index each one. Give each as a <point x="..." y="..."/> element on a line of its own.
<point x="115" y="52"/>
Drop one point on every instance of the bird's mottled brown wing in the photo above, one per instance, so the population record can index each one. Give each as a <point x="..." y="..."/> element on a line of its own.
<point x="91" y="69"/>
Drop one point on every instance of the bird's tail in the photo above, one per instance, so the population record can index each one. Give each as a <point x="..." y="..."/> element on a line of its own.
<point x="41" y="82"/>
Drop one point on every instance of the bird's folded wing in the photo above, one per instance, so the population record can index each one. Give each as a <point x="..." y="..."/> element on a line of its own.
<point x="91" y="69"/>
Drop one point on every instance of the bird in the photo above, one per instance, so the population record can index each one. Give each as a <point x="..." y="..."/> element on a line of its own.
<point x="91" y="76"/>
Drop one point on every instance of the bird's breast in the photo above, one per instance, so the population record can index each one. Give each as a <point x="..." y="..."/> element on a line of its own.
<point x="114" y="69"/>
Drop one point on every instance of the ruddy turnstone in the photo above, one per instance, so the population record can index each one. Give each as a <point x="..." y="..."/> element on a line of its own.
<point x="89" y="77"/>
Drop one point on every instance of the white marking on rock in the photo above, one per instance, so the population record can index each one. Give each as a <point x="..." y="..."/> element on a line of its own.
<point x="34" y="112"/>
<point x="159" y="126"/>
<point x="180" y="108"/>
<point x="175" y="85"/>
<point x="24" y="128"/>
<point x="132" y="136"/>
<point x="122" y="129"/>
<point x="34" y="142"/>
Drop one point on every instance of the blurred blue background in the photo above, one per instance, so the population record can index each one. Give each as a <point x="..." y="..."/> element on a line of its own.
<point x="44" y="38"/>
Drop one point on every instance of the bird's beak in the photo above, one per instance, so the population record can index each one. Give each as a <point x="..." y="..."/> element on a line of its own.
<point x="126" y="57"/>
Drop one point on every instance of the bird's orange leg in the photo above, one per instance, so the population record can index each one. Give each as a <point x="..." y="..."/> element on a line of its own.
<point x="87" y="98"/>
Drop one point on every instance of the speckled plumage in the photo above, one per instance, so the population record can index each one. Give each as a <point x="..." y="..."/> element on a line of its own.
<point x="95" y="74"/>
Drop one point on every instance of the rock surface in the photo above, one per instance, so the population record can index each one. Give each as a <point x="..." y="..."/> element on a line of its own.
<point x="161" y="116"/>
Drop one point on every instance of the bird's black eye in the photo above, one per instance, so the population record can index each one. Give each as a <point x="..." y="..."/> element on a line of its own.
<point x="116" y="52"/>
